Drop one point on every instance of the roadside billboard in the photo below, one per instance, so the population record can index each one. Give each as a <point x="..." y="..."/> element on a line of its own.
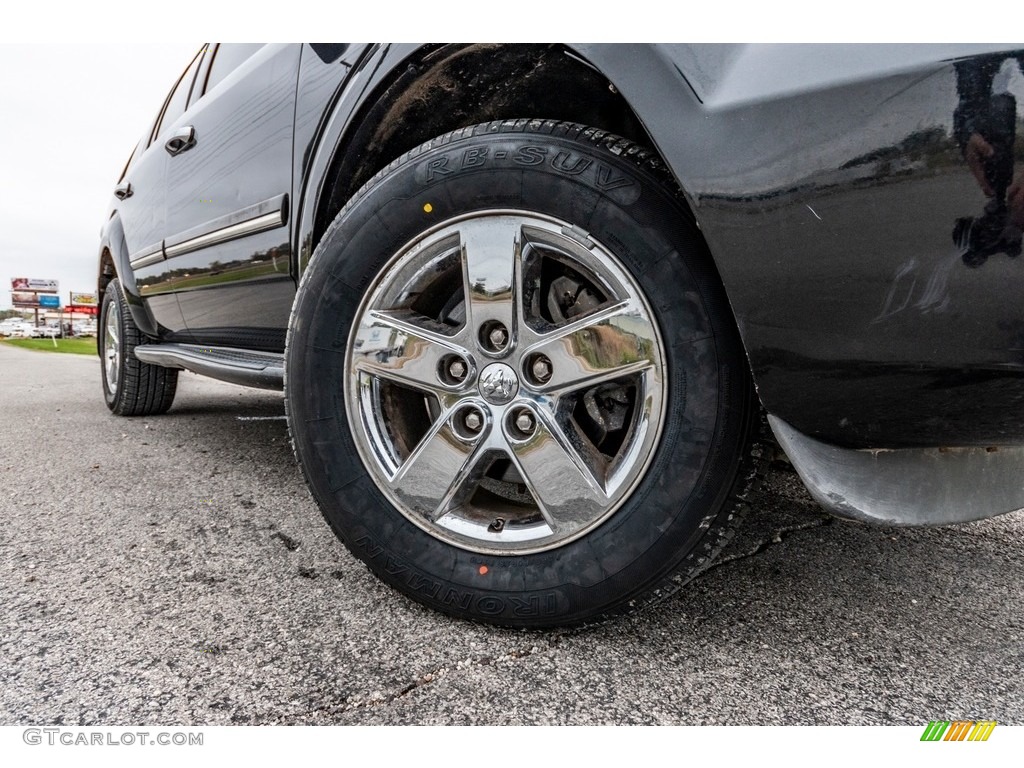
<point x="83" y="299"/>
<point x="24" y="299"/>
<point x="33" y="284"/>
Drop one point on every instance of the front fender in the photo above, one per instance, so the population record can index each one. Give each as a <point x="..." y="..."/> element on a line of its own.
<point x="112" y="242"/>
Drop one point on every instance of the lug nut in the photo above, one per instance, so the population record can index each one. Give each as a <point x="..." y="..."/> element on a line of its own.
<point x="541" y="369"/>
<point x="498" y="338"/>
<point x="457" y="369"/>
<point x="468" y="423"/>
<point x="473" y="421"/>
<point x="494" y="337"/>
<point x="523" y="423"/>
<point x="452" y="370"/>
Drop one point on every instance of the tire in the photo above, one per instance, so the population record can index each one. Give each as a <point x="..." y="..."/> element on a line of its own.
<point x="130" y="387"/>
<point x="578" y="447"/>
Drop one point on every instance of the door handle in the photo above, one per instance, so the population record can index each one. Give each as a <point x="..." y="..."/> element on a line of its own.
<point x="182" y="140"/>
<point x="123" y="190"/>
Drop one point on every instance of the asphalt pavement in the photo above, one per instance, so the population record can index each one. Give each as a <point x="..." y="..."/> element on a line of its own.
<point x="175" y="571"/>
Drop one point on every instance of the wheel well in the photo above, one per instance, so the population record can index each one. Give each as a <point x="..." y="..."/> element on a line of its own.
<point x="106" y="274"/>
<point x="447" y="87"/>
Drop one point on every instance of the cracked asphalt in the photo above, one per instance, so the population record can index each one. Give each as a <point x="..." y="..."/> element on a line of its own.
<point x="175" y="571"/>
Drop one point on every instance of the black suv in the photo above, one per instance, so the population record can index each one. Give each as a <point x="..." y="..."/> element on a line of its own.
<point x="519" y="296"/>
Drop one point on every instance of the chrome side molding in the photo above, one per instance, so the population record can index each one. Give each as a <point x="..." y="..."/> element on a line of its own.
<point x="268" y="214"/>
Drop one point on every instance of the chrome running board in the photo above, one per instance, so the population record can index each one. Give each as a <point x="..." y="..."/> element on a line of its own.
<point x="237" y="366"/>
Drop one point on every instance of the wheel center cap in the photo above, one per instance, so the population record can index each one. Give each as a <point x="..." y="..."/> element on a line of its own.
<point x="498" y="383"/>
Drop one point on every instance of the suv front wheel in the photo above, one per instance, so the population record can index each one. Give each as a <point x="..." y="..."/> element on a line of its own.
<point x="513" y="381"/>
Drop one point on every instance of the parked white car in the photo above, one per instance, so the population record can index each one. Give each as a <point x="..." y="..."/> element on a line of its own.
<point x="16" y="329"/>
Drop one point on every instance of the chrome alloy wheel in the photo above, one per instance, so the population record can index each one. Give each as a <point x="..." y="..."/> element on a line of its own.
<point x="505" y="382"/>
<point x="112" y="347"/>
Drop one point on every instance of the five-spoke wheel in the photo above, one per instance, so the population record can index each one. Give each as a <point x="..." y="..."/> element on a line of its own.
<point x="506" y="382"/>
<point x="112" y="347"/>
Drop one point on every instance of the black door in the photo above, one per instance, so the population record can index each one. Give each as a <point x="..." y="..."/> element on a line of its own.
<point x="142" y="206"/>
<point x="227" y="203"/>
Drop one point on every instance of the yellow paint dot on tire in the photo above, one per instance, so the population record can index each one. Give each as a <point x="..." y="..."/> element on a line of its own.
<point x="427" y="208"/>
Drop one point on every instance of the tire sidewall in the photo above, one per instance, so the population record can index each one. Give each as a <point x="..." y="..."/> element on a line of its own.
<point x="639" y="219"/>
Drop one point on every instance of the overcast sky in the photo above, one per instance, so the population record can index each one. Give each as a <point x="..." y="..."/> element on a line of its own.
<point x="71" y="116"/>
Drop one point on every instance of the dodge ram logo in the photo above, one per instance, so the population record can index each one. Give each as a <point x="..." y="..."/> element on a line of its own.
<point x="498" y="383"/>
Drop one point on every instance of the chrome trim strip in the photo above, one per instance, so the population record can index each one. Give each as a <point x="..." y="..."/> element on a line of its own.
<point x="151" y="254"/>
<point x="235" y="231"/>
<point x="268" y="214"/>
